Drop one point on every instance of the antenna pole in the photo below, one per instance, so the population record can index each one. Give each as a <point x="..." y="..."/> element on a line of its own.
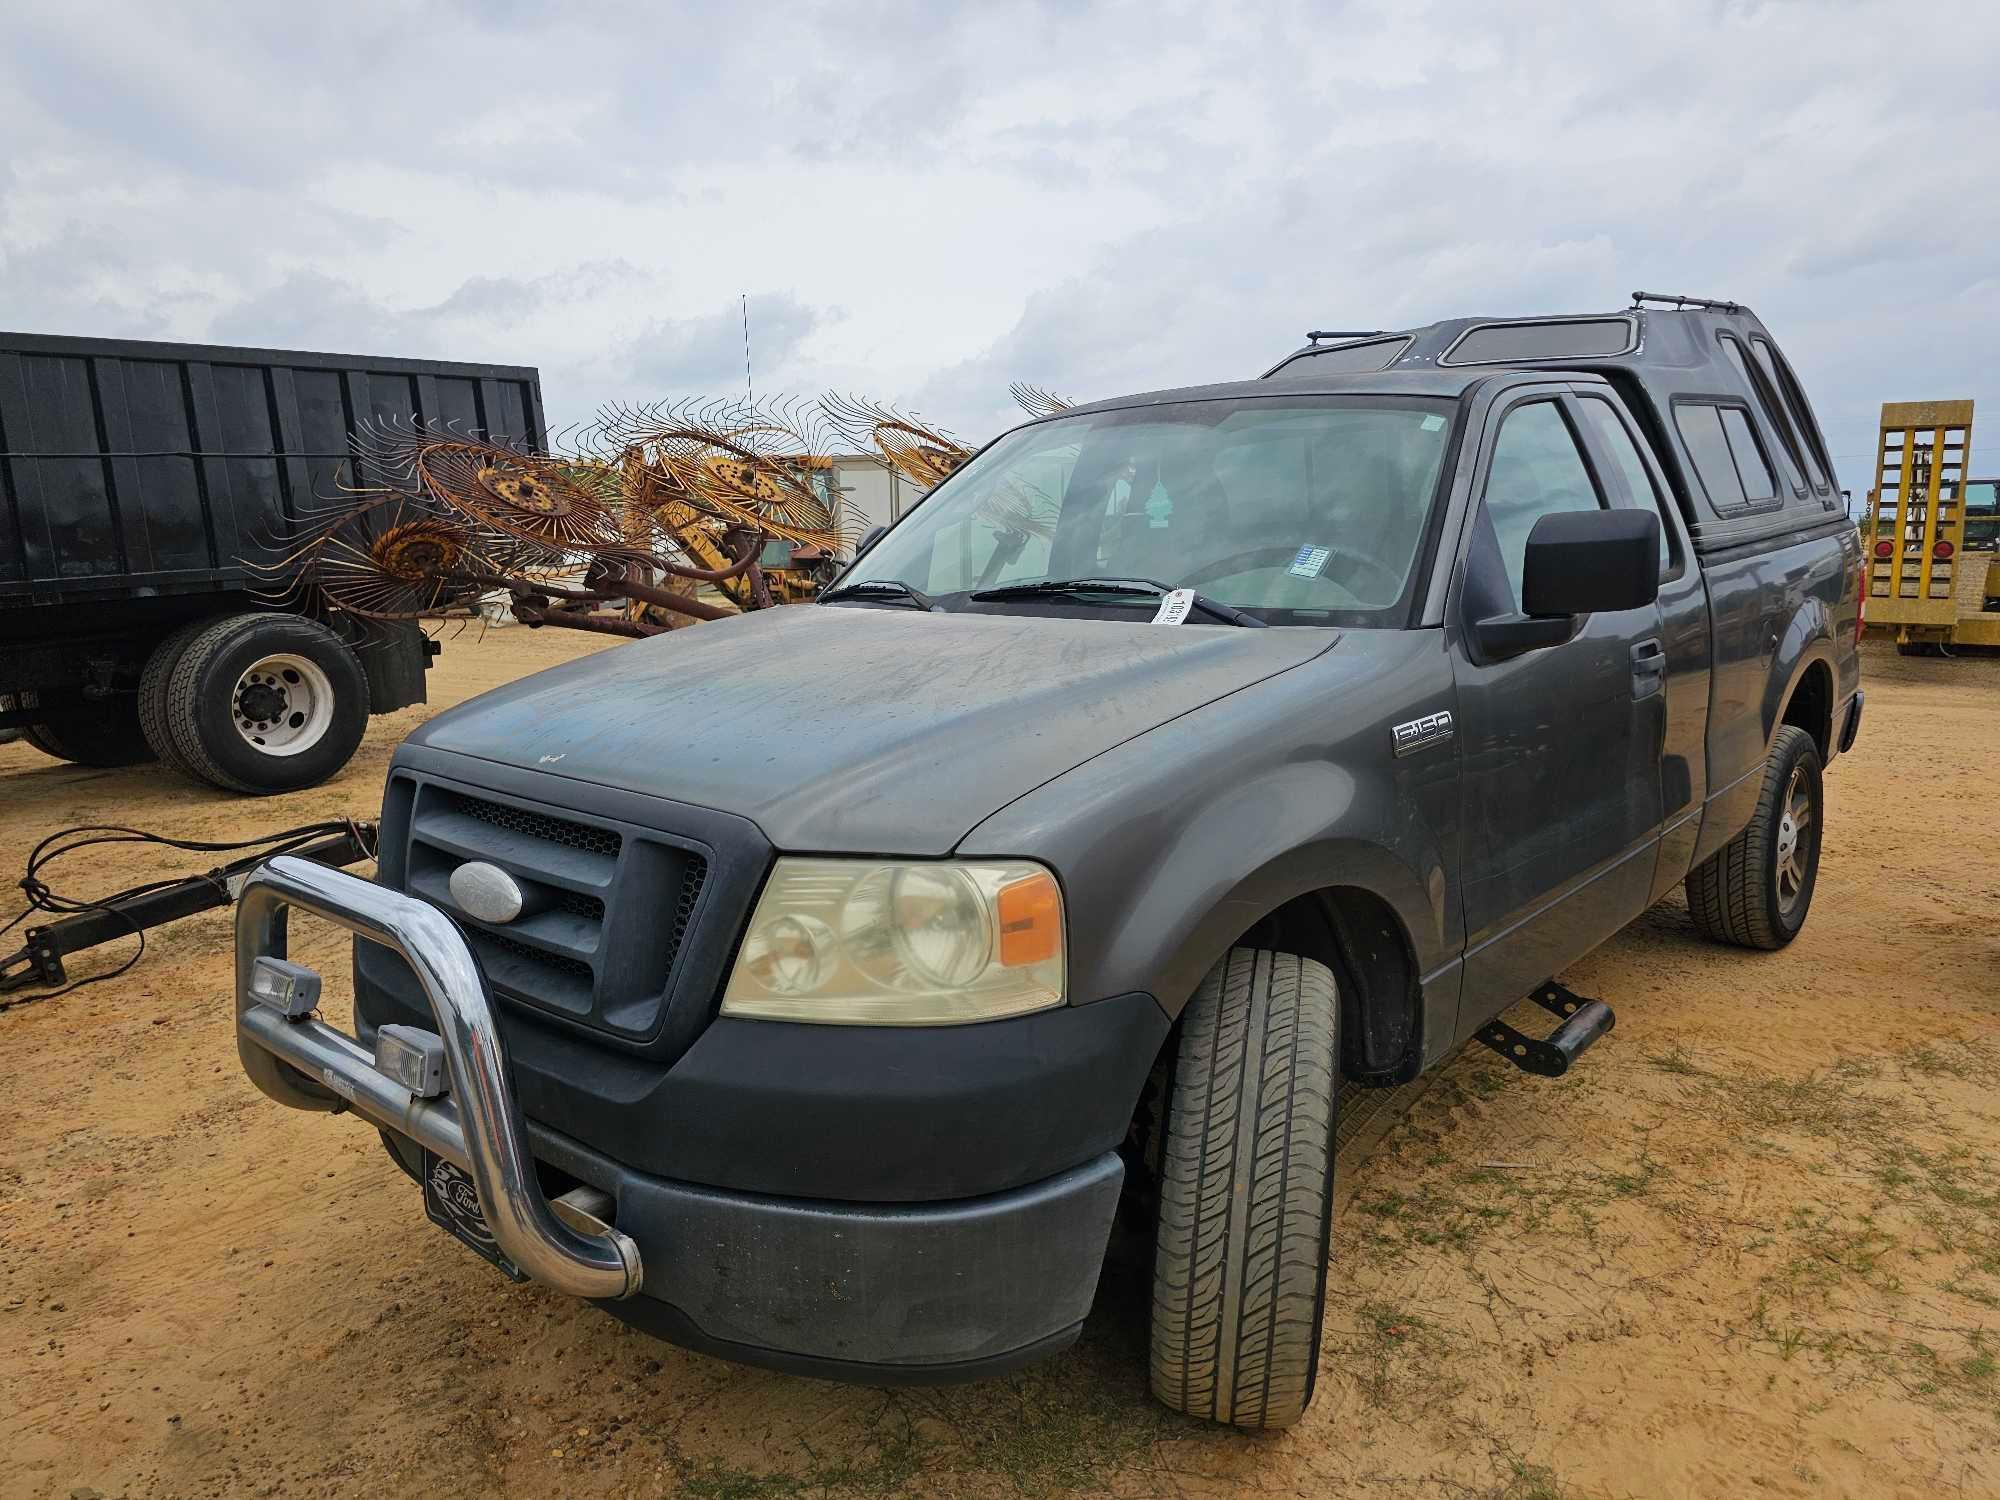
<point x="747" y="389"/>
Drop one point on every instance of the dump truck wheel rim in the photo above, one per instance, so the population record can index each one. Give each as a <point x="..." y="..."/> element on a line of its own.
<point x="282" y="704"/>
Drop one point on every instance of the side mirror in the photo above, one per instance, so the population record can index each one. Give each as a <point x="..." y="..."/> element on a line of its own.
<point x="869" y="538"/>
<point x="1576" y="563"/>
<point x="1581" y="561"/>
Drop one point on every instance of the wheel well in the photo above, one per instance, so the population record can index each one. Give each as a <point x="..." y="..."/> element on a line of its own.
<point x="1811" y="707"/>
<point x="1357" y="934"/>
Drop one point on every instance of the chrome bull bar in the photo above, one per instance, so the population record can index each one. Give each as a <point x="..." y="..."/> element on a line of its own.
<point x="475" y="1123"/>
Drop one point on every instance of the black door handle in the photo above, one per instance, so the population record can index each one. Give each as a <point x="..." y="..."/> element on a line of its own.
<point x="1649" y="667"/>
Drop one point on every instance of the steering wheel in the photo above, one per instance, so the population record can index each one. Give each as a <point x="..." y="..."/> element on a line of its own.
<point x="1264" y="557"/>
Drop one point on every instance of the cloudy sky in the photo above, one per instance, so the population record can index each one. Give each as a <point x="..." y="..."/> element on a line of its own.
<point x="924" y="202"/>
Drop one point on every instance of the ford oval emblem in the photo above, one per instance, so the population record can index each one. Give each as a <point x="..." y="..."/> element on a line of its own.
<point x="486" y="892"/>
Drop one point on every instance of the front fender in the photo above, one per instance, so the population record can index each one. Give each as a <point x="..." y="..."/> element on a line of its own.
<point x="1175" y="844"/>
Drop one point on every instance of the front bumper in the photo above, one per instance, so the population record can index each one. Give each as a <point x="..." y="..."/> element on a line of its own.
<point x="475" y="1123"/>
<point x="916" y="1291"/>
<point x="906" y="1292"/>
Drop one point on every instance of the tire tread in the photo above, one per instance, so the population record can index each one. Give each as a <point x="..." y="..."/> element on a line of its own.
<point x="155" y="683"/>
<point x="1728" y="894"/>
<point x="1246" y="1193"/>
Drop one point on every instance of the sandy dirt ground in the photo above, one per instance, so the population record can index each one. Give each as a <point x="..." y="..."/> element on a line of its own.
<point x="1751" y="1247"/>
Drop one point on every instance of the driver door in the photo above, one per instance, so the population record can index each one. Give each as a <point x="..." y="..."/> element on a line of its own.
<point x="1562" y="745"/>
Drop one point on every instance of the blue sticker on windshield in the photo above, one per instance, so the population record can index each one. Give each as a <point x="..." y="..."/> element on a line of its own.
<point x="1309" y="561"/>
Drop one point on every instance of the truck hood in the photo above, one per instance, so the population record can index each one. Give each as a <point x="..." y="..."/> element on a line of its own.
<point x="866" y="731"/>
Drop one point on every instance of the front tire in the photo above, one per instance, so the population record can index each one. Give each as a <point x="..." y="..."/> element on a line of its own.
<point x="265" y="703"/>
<point x="1755" y="891"/>
<point x="1246" y="1193"/>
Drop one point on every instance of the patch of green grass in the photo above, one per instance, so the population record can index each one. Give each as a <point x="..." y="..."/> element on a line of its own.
<point x="1399" y="1358"/>
<point x="888" y="1469"/>
<point x="1677" y="1060"/>
<point x="1814" y="1103"/>
<point x="1636" y="1183"/>
<point x="1527" y="1481"/>
<point x="1968" y="1061"/>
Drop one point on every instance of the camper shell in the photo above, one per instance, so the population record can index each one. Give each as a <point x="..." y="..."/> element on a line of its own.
<point x="1678" y="368"/>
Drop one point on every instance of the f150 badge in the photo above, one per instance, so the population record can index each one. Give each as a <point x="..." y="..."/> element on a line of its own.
<point x="1420" y="734"/>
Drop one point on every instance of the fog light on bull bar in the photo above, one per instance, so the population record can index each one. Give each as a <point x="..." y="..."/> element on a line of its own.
<point x="413" y="1057"/>
<point x="288" y="988"/>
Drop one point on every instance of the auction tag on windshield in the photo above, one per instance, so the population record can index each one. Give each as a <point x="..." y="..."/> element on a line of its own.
<point x="1174" y="607"/>
<point x="1309" y="561"/>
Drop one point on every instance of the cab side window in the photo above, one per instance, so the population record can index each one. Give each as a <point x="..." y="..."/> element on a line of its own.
<point x="1614" y="440"/>
<point x="1537" y="470"/>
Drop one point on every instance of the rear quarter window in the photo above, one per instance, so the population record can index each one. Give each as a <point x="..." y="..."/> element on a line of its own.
<point x="1727" y="456"/>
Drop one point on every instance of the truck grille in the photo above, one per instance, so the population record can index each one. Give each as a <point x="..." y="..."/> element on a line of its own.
<point x="609" y="906"/>
<point x="540" y="826"/>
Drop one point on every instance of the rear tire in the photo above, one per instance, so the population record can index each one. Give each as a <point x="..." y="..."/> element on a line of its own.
<point x="1246" y="1193"/>
<point x="1755" y="891"/>
<point x="155" y="722"/>
<point x="265" y="703"/>
<point x="102" y="733"/>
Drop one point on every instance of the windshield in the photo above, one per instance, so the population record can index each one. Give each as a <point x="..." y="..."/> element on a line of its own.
<point x="1301" y="510"/>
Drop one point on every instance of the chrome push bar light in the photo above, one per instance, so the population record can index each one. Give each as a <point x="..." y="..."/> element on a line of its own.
<point x="413" y="1057"/>
<point x="292" y="990"/>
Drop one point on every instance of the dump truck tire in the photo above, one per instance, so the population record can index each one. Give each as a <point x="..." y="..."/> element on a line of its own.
<point x="155" y="722"/>
<point x="100" y="734"/>
<point x="1246" y="1192"/>
<point x="264" y="703"/>
<point x="1755" y="891"/>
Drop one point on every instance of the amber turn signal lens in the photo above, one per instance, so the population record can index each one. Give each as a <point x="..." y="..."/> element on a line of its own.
<point x="1030" y="914"/>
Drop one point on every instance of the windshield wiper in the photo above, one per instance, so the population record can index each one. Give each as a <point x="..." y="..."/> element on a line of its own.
<point x="887" y="590"/>
<point x="1148" y="587"/>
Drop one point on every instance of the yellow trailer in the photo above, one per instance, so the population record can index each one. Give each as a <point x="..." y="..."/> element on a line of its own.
<point x="1915" y="530"/>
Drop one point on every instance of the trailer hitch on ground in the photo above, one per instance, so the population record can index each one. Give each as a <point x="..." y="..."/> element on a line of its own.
<point x="38" y="962"/>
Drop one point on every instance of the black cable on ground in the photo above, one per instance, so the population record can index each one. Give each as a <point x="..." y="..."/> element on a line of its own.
<point x="43" y="898"/>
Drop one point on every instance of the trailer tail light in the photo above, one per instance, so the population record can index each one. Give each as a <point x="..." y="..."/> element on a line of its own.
<point x="1941" y="550"/>
<point x="1885" y="548"/>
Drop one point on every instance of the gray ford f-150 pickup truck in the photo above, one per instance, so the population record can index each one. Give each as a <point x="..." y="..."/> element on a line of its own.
<point x="1177" y="760"/>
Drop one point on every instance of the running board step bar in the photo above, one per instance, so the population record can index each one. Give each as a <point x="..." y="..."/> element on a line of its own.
<point x="1583" y="1022"/>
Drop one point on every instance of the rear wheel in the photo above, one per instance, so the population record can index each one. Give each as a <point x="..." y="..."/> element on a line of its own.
<point x="100" y="733"/>
<point x="155" y="722"/>
<point x="266" y="703"/>
<point x="1246" y="1193"/>
<point x="1755" y="891"/>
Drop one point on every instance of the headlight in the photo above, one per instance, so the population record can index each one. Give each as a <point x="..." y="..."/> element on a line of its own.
<point x="866" y="942"/>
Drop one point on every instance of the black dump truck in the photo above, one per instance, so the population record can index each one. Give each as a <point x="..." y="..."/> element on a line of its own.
<point x="146" y="491"/>
<point x="1180" y="761"/>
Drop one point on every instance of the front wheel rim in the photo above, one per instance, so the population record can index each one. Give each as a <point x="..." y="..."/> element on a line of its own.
<point x="1795" y="830"/>
<point x="282" y="704"/>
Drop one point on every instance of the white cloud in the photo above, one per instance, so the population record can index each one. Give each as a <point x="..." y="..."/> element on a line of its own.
<point x="925" y="202"/>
